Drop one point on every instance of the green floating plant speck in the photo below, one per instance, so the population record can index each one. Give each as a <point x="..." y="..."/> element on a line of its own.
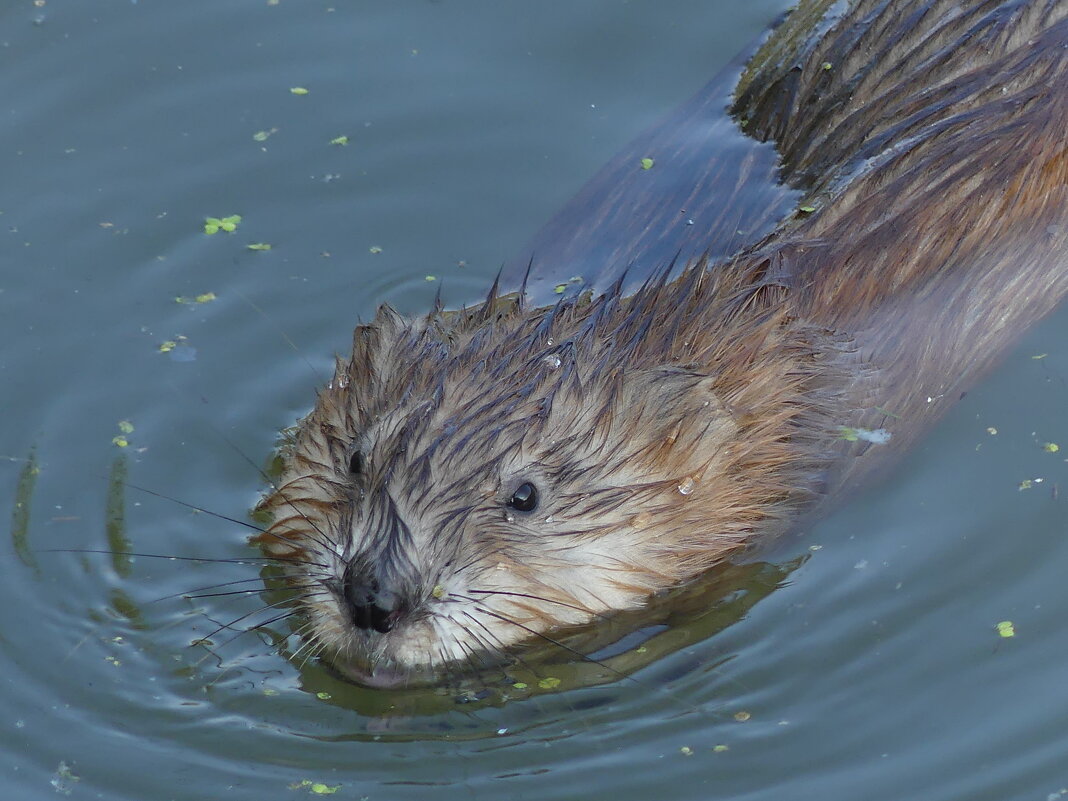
<point x="213" y="225"/>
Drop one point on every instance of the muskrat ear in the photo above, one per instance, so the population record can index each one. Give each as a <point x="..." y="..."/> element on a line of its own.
<point x="367" y="338"/>
<point x="388" y="319"/>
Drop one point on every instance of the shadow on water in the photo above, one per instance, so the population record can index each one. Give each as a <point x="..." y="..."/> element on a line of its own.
<point x="609" y="651"/>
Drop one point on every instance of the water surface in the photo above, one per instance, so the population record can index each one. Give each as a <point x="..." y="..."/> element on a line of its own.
<point x="874" y="671"/>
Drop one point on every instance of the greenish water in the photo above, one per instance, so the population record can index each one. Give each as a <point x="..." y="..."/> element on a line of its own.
<point x="874" y="671"/>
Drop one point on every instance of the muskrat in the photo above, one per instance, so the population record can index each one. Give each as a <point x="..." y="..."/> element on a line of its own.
<point x="471" y="481"/>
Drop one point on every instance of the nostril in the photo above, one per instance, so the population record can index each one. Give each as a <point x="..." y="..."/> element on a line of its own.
<point x="383" y="620"/>
<point x="373" y="616"/>
<point x="371" y="606"/>
<point x="361" y="616"/>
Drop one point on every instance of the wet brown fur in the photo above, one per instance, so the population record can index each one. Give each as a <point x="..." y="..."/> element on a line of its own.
<point x="939" y="166"/>
<point x="667" y="428"/>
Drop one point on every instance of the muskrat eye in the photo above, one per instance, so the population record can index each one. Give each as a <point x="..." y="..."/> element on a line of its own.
<point x="525" y="498"/>
<point x="356" y="463"/>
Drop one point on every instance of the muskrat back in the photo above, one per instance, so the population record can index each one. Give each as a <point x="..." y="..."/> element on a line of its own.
<point x="471" y="480"/>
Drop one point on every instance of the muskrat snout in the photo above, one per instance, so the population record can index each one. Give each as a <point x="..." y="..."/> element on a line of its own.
<point x="373" y="602"/>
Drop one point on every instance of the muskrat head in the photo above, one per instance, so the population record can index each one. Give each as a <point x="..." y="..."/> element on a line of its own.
<point x="471" y="481"/>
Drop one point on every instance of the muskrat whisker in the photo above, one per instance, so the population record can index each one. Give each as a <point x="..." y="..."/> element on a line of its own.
<point x="313" y="649"/>
<point x="194" y="593"/>
<point x="476" y="660"/>
<point x="244" y="560"/>
<point x="287" y="566"/>
<point x="282" y="333"/>
<point x="557" y="643"/>
<point x="323" y="538"/>
<point x="238" y="634"/>
<point x="310" y="647"/>
<point x="447" y="663"/>
<point x="262" y="623"/>
<point x="195" y="508"/>
<point x="478" y="557"/>
<point x="302" y="629"/>
<point x="545" y="598"/>
<point x="488" y="648"/>
<point x="320" y="538"/>
<point x="288" y="601"/>
<point x="247" y="459"/>
<point x="498" y="648"/>
<point x="308" y="641"/>
<point x="484" y="627"/>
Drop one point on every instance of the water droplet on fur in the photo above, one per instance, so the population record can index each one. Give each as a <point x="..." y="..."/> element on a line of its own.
<point x="509" y="518"/>
<point x="549" y="341"/>
<point x="550" y="519"/>
<point x="686" y="486"/>
<point x="438" y="591"/>
<point x="553" y="361"/>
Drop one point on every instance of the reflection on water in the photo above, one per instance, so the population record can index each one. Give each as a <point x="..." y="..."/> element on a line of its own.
<point x="612" y="650"/>
<point x="20" y="511"/>
<point x="115" y="518"/>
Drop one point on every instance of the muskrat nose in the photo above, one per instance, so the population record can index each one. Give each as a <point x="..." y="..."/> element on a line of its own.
<point x="372" y="605"/>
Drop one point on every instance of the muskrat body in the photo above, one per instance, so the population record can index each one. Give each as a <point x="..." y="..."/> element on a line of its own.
<point x="471" y="481"/>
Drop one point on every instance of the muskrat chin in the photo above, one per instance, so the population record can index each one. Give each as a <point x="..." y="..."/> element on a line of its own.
<point x="414" y="653"/>
<point x="431" y="649"/>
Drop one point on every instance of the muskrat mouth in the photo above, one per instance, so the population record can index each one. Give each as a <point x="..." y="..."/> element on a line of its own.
<point x="368" y="669"/>
<point x="381" y="677"/>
